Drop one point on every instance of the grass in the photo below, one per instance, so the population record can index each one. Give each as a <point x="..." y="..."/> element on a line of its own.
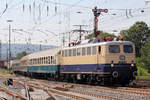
<point x="143" y="77"/>
<point x="5" y="71"/>
<point x="142" y="73"/>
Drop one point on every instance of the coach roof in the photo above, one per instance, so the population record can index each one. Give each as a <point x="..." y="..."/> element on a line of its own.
<point x="44" y="53"/>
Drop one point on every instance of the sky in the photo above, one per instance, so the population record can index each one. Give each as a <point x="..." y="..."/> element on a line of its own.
<point x="45" y="21"/>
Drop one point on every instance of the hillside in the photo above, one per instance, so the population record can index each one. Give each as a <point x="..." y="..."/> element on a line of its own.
<point x="17" y="48"/>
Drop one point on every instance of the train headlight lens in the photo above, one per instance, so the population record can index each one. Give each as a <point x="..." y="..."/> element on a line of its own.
<point x="112" y="65"/>
<point x="122" y="57"/>
<point x="132" y="65"/>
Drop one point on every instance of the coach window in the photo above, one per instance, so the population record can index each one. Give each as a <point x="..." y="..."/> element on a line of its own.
<point x="34" y="61"/>
<point x="66" y="53"/>
<point x="78" y="51"/>
<point x="54" y="60"/>
<point x="51" y="60"/>
<point x="88" y="50"/>
<point x="99" y="49"/>
<point x="74" y="52"/>
<point x="45" y="60"/>
<point x="94" y="50"/>
<point x="30" y="61"/>
<point x="70" y="52"/>
<point x="40" y="60"/>
<point x="114" y="48"/>
<point x="83" y="51"/>
<point x="48" y="59"/>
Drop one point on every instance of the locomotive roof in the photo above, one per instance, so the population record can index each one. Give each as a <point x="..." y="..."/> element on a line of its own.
<point x="44" y="53"/>
<point x="101" y="43"/>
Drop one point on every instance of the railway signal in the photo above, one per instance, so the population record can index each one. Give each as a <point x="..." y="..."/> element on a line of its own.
<point x="97" y="13"/>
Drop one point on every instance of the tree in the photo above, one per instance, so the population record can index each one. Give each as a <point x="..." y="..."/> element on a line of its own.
<point x="101" y="33"/>
<point x="20" y="55"/>
<point x="138" y="33"/>
<point x="144" y="60"/>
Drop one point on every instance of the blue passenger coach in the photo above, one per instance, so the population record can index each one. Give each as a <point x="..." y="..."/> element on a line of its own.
<point x="42" y="63"/>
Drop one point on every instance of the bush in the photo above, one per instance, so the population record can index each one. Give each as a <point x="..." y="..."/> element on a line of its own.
<point x="141" y="71"/>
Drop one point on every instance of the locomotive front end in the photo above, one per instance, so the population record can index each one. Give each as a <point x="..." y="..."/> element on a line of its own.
<point x="120" y="62"/>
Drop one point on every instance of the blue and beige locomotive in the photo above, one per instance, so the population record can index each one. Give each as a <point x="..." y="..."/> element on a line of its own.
<point x="103" y="62"/>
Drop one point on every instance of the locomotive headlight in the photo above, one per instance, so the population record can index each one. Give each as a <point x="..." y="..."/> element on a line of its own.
<point x="122" y="57"/>
<point x="112" y="65"/>
<point x="132" y="65"/>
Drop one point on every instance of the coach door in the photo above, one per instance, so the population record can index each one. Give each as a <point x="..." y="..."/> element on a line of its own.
<point x="99" y="55"/>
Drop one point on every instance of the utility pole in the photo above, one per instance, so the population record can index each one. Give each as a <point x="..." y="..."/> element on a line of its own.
<point x="80" y="30"/>
<point x="9" y="48"/>
<point x="97" y="13"/>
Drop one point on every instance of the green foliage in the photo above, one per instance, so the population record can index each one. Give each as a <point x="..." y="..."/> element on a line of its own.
<point x="138" y="33"/>
<point x="144" y="60"/>
<point x="106" y="35"/>
<point x="142" y="71"/>
<point x="5" y="71"/>
<point x="20" y="55"/>
<point x="101" y="33"/>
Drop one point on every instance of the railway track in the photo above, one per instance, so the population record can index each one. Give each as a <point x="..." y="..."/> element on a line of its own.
<point x="67" y="91"/>
<point x="85" y="89"/>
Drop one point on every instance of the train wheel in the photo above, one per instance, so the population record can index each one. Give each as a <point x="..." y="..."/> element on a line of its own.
<point x="89" y="80"/>
<point x="74" y="80"/>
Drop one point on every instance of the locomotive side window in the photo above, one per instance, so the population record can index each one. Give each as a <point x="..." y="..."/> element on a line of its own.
<point x="114" y="48"/>
<point x="128" y="48"/>
<point x="70" y="52"/>
<point x="74" y="52"/>
<point x="94" y="50"/>
<point x="83" y="51"/>
<point x="88" y="50"/>
<point x="99" y="49"/>
<point x="78" y="51"/>
<point x="65" y="53"/>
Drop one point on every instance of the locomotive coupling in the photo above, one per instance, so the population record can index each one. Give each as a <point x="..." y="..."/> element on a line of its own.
<point x="115" y="74"/>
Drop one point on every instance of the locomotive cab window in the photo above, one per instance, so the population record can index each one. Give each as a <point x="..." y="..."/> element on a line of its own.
<point x="128" y="48"/>
<point x="114" y="48"/>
